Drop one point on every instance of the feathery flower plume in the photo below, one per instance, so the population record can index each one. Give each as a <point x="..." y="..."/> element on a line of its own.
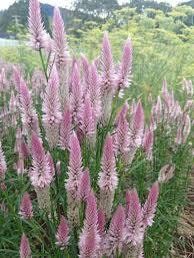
<point x="148" y="142"/>
<point x="158" y="110"/>
<point x="60" y="39"/>
<point x="62" y="235"/>
<point x="87" y="120"/>
<point x="108" y="179"/>
<point x="51" y="109"/>
<point x="89" y="241"/>
<point x="137" y="125"/>
<point x="188" y="87"/>
<point x="94" y="90"/>
<point x="36" y="27"/>
<point x="186" y="127"/>
<point x="134" y="232"/>
<point x="65" y="128"/>
<point x="74" y="178"/>
<point x="51" y="164"/>
<point x="62" y="58"/>
<point x="26" y="209"/>
<point x="107" y="78"/>
<point x="25" y="251"/>
<point x="41" y="173"/>
<point x="75" y="94"/>
<point x="115" y="235"/>
<point x="124" y="73"/>
<point x="166" y="173"/>
<point x="3" y="165"/>
<point x="85" y="185"/>
<point x="149" y="208"/>
<point x="28" y="113"/>
<point x="121" y="136"/>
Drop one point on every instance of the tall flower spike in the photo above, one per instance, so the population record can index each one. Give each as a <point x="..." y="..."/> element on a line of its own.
<point x="28" y="113"/>
<point x="89" y="237"/>
<point x="17" y="78"/>
<point x="65" y="128"/>
<point x="87" y="120"/>
<point x="25" y="251"/>
<point x="74" y="178"/>
<point x="108" y="179"/>
<point x="149" y="207"/>
<point x="36" y="27"/>
<point x="76" y="94"/>
<point x="107" y="78"/>
<point x="62" y="235"/>
<point x="60" y="39"/>
<point x="134" y="232"/>
<point x="26" y="209"/>
<point x="94" y="90"/>
<point x="40" y="175"/>
<point x="115" y="236"/>
<point x="51" y="109"/>
<point x="124" y="75"/>
<point x="186" y="127"/>
<point x="122" y="134"/>
<point x="148" y="142"/>
<point x="137" y="125"/>
<point x="85" y="186"/>
<point x="3" y="165"/>
<point x="101" y="223"/>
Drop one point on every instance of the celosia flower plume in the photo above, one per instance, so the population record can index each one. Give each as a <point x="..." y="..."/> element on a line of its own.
<point x="26" y="209"/>
<point x="25" y="251"/>
<point x="3" y="165"/>
<point x="62" y="235"/>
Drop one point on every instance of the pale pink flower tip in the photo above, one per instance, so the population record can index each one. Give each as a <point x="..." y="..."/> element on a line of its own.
<point x="62" y="235"/>
<point x="149" y="207"/>
<point x="85" y="186"/>
<point x="36" y="28"/>
<point x="26" y="209"/>
<point x="166" y="173"/>
<point x="25" y="251"/>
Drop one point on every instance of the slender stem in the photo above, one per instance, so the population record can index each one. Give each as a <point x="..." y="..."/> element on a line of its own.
<point x="43" y="64"/>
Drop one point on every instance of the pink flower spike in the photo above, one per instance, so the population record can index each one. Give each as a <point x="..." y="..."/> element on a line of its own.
<point x="134" y="231"/>
<point x="17" y="77"/>
<point x="94" y="90"/>
<point x="89" y="238"/>
<point x="137" y="125"/>
<point x="87" y="120"/>
<point x="36" y="27"/>
<point x="75" y="167"/>
<point x="60" y="39"/>
<point x="41" y="174"/>
<point x="62" y="235"/>
<point x="86" y="73"/>
<point x="26" y="209"/>
<point x="85" y="186"/>
<point x="51" y="109"/>
<point x="76" y="94"/>
<point x="108" y="179"/>
<point x="124" y="75"/>
<point x="116" y="234"/>
<point x="25" y="251"/>
<point x="149" y="207"/>
<point x="3" y="165"/>
<point x="148" y="142"/>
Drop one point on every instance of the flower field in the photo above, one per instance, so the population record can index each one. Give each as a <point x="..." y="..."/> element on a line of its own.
<point x="87" y="169"/>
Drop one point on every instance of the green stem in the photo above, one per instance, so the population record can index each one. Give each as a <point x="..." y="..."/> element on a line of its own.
<point x="43" y="64"/>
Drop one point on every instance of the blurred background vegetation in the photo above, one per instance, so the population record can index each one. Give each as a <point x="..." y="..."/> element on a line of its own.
<point x="162" y="36"/>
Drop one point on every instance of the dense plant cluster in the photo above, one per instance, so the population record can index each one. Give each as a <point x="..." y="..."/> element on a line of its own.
<point x="80" y="152"/>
